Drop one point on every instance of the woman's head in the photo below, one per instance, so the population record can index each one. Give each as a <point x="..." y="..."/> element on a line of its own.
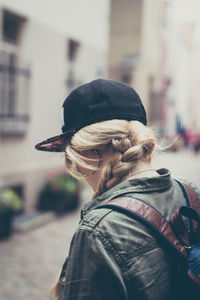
<point x="124" y="146"/>
<point x="103" y="118"/>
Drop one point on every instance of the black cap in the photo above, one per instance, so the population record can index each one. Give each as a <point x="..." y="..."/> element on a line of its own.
<point x="96" y="101"/>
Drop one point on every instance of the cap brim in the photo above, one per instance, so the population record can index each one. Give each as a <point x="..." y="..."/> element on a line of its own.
<point x="53" y="144"/>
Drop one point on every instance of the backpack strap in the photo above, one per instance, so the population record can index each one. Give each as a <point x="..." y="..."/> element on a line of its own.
<point x="149" y="216"/>
<point x="178" y="225"/>
<point x="191" y="196"/>
<point x="192" y="200"/>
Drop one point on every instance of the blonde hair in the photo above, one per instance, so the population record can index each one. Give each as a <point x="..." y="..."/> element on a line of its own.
<point x="131" y="143"/>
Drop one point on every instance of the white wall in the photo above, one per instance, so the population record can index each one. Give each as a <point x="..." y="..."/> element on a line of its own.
<point x="44" y="48"/>
<point x="183" y="60"/>
<point x="86" y="20"/>
<point x="46" y="51"/>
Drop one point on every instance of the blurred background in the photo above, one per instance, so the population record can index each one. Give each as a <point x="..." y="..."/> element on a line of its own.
<point x="47" y="48"/>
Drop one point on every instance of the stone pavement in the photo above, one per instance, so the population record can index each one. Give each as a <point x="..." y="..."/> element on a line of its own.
<point x="30" y="262"/>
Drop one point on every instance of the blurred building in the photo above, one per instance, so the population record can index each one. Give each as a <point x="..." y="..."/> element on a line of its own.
<point x="135" y="49"/>
<point x="39" y="64"/>
<point x="181" y="31"/>
<point x="154" y="46"/>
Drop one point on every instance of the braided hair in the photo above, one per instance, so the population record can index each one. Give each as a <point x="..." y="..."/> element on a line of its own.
<point x="131" y="143"/>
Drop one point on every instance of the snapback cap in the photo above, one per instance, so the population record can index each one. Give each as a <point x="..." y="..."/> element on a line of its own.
<point x="96" y="101"/>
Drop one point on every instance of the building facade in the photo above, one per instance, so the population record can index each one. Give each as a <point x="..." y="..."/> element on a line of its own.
<point x="134" y="52"/>
<point x="183" y="55"/>
<point x="39" y="66"/>
<point x="154" y="46"/>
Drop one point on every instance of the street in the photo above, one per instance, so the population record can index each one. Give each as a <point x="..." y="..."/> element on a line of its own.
<point x="30" y="262"/>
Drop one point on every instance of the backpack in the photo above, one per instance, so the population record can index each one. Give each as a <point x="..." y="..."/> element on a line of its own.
<point x="173" y="235"/>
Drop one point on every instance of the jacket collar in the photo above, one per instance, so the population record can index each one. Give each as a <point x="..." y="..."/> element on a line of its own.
<point x="135" y="185"/>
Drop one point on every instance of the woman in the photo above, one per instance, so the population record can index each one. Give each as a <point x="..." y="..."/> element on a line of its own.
<point x="105" y="140"/>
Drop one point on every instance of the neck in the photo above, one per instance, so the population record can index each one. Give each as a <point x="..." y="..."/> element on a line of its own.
<point x="144" y="170"/>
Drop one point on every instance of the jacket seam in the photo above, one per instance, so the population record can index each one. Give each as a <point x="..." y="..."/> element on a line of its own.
<point x="143" y="251"/>
<point x="110" y="248"/>
<point x="119" y="259"/>
<point x="87" y="222"/>
<point x="140" y="251"/>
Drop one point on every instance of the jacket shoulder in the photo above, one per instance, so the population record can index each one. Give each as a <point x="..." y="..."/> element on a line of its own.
<point x="128" y="236"/>
<point x="93" y="218"/>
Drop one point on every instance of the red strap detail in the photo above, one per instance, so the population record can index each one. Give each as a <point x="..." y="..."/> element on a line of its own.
<point x="194" y="200"/>
<point x="152" y="216"/>
<point x="193" y="197"/>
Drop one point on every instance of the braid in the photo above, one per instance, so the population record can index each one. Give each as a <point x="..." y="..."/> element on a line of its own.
<point x="127" y="153"/>
<point x="107" y="178"/>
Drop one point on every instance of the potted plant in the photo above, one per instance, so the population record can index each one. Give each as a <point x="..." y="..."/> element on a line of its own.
<point x="60" y="194"/>
<point x="10" y="203"/>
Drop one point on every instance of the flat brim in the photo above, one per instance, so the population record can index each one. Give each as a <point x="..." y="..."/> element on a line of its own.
<point x="53" y="144"/>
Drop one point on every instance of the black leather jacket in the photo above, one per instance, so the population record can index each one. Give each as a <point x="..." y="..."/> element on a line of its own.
<point x="115" y="257"/>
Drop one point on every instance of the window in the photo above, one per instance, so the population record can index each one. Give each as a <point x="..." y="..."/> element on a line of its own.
<point x="73" y="47"/>
<point x="12" y="26"/>
<point x="14" y="95"/>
